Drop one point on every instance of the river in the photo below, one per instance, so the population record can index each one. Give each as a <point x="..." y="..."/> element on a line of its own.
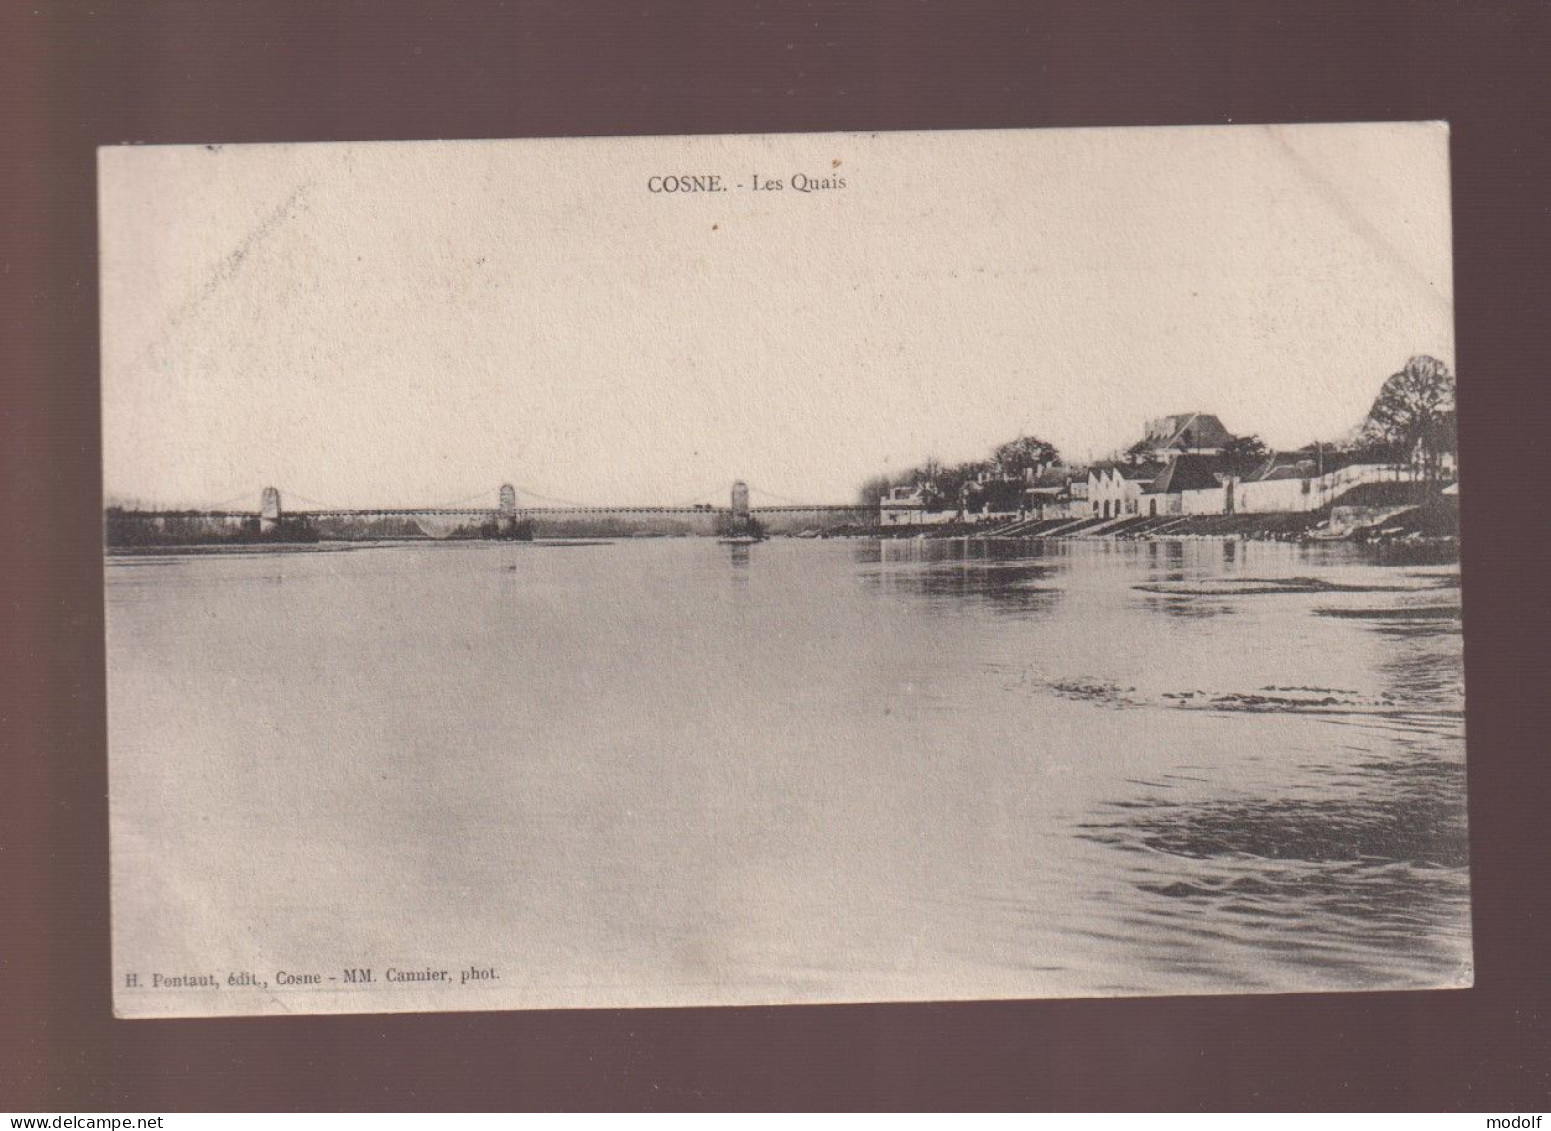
<point x="669" y="771"/>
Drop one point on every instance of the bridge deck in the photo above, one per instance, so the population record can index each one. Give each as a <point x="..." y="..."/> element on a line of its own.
<point x="491" y="512"/>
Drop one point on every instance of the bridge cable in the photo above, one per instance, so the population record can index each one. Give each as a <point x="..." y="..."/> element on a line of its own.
<point x="523" y="491"/>
<point x="237" y="498"/>
<point x="287" y="494"/>
<point x="778" y="498"/>
<point x="703" y="497"/>
<point x="460" y="502"/>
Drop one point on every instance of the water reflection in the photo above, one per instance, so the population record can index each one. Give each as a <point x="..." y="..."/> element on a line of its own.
<point x="1365" y="881"/>
<point x="958" y="574"/>
<point x="1186" y="606"/>
<point x="1405" y="620"/>
<point x="1406" y="812"/>
<point x="1020" y="768"/>
<point x="1167" y="560"/>
<point x="1424" y="669"/>
<point x="738" y="558"/>
<point x="1355" y="868"/>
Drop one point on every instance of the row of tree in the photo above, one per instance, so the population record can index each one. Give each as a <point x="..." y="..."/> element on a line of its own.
<point x="1411" y="421"/>
<point x="947" y="485"/>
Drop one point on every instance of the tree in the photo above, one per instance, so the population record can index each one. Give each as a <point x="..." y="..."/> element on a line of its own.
<point x="950" y="486"/>
<point x="1138" y="452"/>
<point x="1440" y="438"/>
<point x="1412" y="417"/>
<point x="1367" y="447"/>
<point x="1016" y="456"/>
<point x="1243" y="454"/>
<point x="954" y="482"/>
<point x="929" y="471"/>
<point x="1325" y="456"/>
<point x="873" y="490"/>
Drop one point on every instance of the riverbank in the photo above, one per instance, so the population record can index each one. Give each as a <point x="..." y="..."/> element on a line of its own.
<point x="1434" y="522"/>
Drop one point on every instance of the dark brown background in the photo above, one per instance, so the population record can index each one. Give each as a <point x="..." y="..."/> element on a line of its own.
<point x="76" y="75"/>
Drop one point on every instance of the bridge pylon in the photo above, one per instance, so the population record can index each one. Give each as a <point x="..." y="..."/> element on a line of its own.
<point x="506" y="516"/>
<point x="269" y="510"/>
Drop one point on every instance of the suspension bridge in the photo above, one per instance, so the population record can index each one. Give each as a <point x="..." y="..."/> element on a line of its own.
<point x="505" y="506"/>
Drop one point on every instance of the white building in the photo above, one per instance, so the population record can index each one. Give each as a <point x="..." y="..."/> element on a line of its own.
<point x="907" y="506"/>
<point x="1115" y="489"/>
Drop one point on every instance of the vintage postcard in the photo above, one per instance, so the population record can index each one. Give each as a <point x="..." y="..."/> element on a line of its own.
<point x="782" y="569"/>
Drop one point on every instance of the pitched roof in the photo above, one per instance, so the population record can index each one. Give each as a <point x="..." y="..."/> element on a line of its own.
<point x="1188" y="473"/>
<point x="1146" y="472"/>
<point x="1283" y="465"/>
<point x="1187" y="430"/>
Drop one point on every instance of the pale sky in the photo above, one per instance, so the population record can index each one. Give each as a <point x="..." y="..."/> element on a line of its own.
<point x="416" y="323"/>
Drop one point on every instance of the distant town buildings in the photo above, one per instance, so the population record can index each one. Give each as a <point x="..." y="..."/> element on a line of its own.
<point x="1185" y="464"/>
<point x="911" y="506"/>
